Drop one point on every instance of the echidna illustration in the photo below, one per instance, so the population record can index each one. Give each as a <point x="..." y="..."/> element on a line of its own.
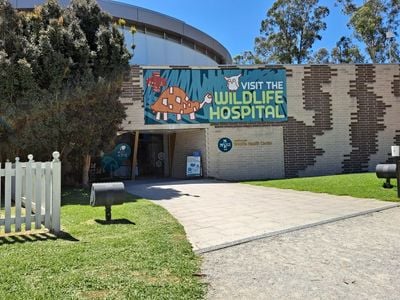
<point x="174" y="100"/>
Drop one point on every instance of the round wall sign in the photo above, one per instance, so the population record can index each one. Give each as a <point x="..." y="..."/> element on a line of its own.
<point x="225" y="144"/>
<point x="122" y="151"/>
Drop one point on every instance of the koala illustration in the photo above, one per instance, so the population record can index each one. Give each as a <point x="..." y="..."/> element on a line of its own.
<point x="232" y="82"/>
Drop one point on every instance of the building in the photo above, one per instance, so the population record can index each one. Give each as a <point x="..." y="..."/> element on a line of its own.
<point x="160" y="39"/>
<point x="334" y="119"/>
<point x="259" y="122"/>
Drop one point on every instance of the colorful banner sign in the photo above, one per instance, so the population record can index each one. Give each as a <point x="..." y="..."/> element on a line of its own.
<point x="192" y="96"/>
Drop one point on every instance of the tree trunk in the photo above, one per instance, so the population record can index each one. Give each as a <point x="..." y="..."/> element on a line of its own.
<point x="85" y="170"/>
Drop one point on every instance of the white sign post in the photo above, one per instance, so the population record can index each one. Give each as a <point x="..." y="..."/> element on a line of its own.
<point x="396" y="155"/>
<point x="395" y="151"/>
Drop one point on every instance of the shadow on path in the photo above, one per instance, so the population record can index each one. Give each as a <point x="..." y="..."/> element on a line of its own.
<point x="156" y="193"/>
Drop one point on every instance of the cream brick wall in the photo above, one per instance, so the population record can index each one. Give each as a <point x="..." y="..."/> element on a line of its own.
<point x="383" y="88"/>
<point x="188" y="141"/>
<point x="294" y="93"/>
<point x="335" y="142"/>
<point x="257" y="153"/>
<point x="135" y="116"/>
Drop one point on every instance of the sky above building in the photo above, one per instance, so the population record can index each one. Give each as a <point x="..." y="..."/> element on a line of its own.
<point x="235" y="23"/>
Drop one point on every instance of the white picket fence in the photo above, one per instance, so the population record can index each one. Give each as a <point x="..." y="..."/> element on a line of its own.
<point x="32" y="194"/>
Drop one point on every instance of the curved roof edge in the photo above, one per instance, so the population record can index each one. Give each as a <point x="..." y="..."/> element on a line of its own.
<point x="150" y="18"/>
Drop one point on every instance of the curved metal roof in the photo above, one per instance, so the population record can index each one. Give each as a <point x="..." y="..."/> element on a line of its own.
<point x="152" y="20"/>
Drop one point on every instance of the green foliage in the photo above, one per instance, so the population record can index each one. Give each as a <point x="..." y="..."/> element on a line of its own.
<point x="18" y="89"/>
<point x="60" y="76"/>
<point x="345" y="52"/>
<point x="371" y="21"/>
<point x="149" y="259"/>
<point x="364" y="185"/>
<point x="90" y="18"/>
<point x="246" y="58"/>
<point x="322" y="56"/>
<point x="290" y="29"/>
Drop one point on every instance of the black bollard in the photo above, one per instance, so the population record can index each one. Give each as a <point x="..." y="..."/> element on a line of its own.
<point x="108" y="213"/>
<point x="398" y="176"/>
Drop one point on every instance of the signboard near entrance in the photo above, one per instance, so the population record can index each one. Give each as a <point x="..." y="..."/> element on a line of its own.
<point x="192" y="96"/>
<point x="193" y="166"/>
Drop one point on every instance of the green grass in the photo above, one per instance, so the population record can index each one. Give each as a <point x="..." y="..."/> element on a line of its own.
<point x="363" y="185"/>
<point x="150" y="259"/>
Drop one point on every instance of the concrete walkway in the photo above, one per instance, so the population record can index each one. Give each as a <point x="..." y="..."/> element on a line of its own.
<point x="357" y="258"/>
<point x="217" y="214"/>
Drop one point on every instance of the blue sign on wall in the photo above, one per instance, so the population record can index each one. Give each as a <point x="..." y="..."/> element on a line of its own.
<point x="225" y="144"/>
<point x="113" y="160"/>
<point x="191" y="96"/>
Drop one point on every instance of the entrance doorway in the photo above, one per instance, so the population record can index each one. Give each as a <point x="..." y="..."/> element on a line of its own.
<point x="150" y="155"/>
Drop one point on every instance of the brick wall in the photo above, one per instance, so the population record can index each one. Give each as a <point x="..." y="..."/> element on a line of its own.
<point x="188" y="141"/>
<point x="256" y="153"/>
<point x="341" y="118"/>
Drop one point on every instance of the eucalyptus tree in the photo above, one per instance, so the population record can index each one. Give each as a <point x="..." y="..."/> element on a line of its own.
<point x="321" y="56"/>
<point x="375" y="23"/>
<point x="290" y="31"/>
<point x="346" y="52"/>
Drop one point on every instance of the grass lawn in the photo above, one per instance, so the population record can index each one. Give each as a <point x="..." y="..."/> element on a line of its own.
<point x="150" y="259"/>
<point x="363" y="185"/>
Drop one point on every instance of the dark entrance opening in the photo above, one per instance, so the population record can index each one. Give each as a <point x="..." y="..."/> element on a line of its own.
<point x="150" y="155"/>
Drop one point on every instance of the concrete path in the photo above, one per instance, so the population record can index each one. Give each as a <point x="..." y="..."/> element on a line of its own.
<point x="217" y="214"/>
<point x="356" y="258"/>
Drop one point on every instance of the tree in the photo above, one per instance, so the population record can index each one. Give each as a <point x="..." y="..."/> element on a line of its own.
<point x="66" y="67"/>
<point x="322" y="56"/>
<point x="18" y="89"/>
<point x="371" y="21"/>
<point x="346" y="52"/>
<point x="246" y="58"/>
<point x="290" y="29"/>
<point x="110" y="63"/>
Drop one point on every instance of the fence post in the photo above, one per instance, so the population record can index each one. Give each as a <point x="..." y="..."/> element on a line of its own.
<point x="7" y="198"/>
<point x="56" y="189"/>
<point x="47" y="218"/>
<point x="18" y="190"/>
<point x="38" y="194"/>
<point x="29" y="192"/>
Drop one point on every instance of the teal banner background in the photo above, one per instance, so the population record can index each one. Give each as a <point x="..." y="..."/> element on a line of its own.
<point x="192" y="96"/>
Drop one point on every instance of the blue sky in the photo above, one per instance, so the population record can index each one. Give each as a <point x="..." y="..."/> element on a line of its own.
<point x="236" y="23"/>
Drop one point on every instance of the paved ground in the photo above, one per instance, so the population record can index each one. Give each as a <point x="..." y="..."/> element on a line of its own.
<point x="357" y="258"/>
<point x="217" y="214"/>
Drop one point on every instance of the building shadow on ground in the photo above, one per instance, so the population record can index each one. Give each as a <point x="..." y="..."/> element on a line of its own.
<point x="156" y="193"/>
<point x="163" y="189"/>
